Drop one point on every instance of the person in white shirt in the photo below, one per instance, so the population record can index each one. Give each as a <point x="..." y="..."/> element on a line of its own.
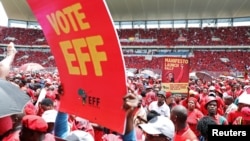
<point x="160" y="105"/>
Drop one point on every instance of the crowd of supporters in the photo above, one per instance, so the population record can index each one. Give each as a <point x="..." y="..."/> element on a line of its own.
<point x="173" y="116"/>
<point x="226" y="36"/>
<point x="200" y="61"/>
<point x="209" y="36"/>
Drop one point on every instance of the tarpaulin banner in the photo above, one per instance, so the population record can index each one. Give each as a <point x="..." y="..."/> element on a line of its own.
<point x="175" y="75"/>
<point x="89" y="58"/>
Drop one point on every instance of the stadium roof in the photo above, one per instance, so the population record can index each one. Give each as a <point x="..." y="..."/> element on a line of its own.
<point x="133" y="10"/>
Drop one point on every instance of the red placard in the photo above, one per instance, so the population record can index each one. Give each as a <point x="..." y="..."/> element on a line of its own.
<point x="175" y="74"/>
<point x="89" y="58"/>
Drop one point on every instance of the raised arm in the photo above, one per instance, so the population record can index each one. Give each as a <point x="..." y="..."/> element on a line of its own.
<point x="5" y="64"/>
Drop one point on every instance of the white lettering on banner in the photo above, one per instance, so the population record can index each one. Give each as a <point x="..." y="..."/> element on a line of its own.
<point x="216" y="132"/>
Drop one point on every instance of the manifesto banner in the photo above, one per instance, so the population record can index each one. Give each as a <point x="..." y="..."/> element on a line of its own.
<point x="175" y="75"/>
<point x="89" y="58"/>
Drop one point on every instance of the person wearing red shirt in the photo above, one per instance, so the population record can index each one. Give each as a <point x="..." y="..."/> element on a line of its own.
<point x="194" y="115"/>
<point x="177" y="98"/>
<point x="229" y="90"/>
<point x="170" y="100"/>
<point x="238" y="90"/>
<point x="220" y="104"/>
<point x="211" y="105"/>
<point x="242" y="102"/>
<point x="150" y="96"/>
<point x="183" y="132"/>
<point x="244" y="119"/>
<point x="203" y="95"/>
<point x="233" y="115"/>
<point x="193" y="94"/>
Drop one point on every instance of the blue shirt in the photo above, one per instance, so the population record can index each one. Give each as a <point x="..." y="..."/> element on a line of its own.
<point x="130" y="136"/>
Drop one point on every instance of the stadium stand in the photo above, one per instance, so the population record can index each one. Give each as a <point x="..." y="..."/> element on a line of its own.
<point x="201" y="60"/>
<point x="148" y="37"/>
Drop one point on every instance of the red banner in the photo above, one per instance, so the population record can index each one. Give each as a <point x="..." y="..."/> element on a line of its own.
<point x="88" y="55"/>
<point x="175" y="74"/>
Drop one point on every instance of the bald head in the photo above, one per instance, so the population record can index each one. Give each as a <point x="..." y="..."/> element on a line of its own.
<point x="228" y="100"/>
<point x="180" y="112"/>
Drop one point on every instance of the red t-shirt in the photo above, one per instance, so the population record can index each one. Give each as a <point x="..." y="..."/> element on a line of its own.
<point x="233" y="115"/>
<point x="220" y="105"/>
<point x="185" y="134"/>
<point x="193" y="118"/>
<point x="14" y="136"/>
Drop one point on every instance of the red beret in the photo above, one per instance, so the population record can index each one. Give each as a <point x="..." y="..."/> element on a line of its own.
<point x="35" y="123"/>
<point x="168" y="94"/>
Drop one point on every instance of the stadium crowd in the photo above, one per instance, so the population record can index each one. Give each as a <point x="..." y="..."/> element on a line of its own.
<point x="152" y="114"/>
<point x="208" y="36"/>
<point x="225" y="36"/>
<point x="236" y="60"/>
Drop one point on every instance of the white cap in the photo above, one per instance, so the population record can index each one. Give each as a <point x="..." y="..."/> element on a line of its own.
<point x="79" y="135"/>
<point x="246" y="87"/>
<point x="211" y="88"/>
<point x="212" y="94"/>
<point x="225" y="94"/>
<point x="50" y="116"/>
<point x="159" y="125"/>
<point x="244" y="98"/>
